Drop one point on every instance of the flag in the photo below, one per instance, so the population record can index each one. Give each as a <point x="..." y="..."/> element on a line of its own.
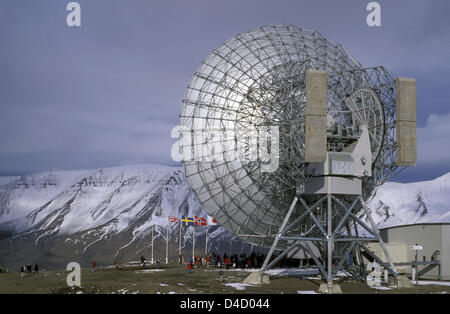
<point x="200" y="221"/>
<point x="196" y="221"/>
<point x="188" y="221"/>
<point x="211" y="221"/>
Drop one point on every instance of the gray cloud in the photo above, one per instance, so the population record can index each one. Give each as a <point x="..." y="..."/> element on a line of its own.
<point x="433" y="141"/>
<point x="109" y="92"/>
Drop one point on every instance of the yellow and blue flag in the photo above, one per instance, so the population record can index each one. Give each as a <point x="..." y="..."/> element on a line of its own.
<point x="187" y="221"/>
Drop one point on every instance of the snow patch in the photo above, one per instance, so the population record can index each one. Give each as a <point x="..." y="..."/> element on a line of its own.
<point x="238" y="285"/>
<point x="282" y="271"/>
<point x="146" y="271"/>
<point x="437" y="283"/>
<point x="381" y="288"/>
<point x="306" y="292"/>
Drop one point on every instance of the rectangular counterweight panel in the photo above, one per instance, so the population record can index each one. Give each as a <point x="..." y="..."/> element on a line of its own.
<point x="407" y="147"/>
<point x="316" y="92"/>
<point x="316" y="139"/>
<point x="316" y="116"/>
<point x="406" y="99"/>
<point x="406" y="121"/>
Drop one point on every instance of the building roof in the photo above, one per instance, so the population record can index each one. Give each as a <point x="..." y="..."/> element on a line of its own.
<point x="418" y="224"/>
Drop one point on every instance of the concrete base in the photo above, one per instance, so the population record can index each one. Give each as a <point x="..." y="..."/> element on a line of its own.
<point x="335" y="288"/>
<point x="257" y="278"/>
<point x="404" y="282"/>
<point x="392" y="281"/>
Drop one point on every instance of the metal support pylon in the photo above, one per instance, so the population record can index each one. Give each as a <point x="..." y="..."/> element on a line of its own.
<point x="330" y="240"/>
<point x="280" y="232"/>
<point x="339" y="241"/>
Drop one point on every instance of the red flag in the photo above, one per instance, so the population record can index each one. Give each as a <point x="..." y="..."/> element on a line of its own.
<point x="200" y="221"/>
<point x="211" y="221"/>
<point x="173" y="219"/>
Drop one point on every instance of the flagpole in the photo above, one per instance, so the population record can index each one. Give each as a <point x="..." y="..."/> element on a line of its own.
<point x="179" y="246"/>
<point x="153" y="226"/>
<point x="206" y="242"/>
<point x="193" y="243"/>
<point x="167" y="246"/>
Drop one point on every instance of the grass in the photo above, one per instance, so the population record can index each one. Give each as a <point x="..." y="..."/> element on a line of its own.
<point x="174" y="278"/>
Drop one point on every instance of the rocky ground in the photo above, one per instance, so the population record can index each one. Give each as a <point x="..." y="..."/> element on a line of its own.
<point x="173" y="278"/>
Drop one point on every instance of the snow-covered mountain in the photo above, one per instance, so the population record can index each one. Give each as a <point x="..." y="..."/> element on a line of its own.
<point x="68" y="202"/>
<point x="409" y="203"/>
<point x="5" y="180"/>
<point x="100" y="214"/>
<point x="57" y="217"/>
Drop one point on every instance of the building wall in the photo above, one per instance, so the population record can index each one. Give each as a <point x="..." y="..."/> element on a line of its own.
<point x="399" y="252"/>
<point x="431" y="236"/>
<point x="445" y="253"/>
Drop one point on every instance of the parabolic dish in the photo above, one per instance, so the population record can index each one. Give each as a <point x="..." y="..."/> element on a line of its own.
<point x="255" y="81"/>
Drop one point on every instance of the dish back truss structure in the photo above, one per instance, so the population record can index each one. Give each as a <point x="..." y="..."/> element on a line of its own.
<point x="253" y="151"/>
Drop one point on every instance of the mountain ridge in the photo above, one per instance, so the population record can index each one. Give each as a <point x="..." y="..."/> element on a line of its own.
<point x="61" y="216"/>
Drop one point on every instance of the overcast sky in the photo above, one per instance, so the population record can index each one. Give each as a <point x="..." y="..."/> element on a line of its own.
<point x="109" y="93"/>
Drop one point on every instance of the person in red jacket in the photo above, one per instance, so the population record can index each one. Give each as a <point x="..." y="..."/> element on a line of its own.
<point x="189" y="267"/>
<point x="227" y="262"/>
<point x="93" y="266"/>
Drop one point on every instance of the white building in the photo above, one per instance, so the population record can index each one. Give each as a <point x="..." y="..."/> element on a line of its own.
<point x="431" y="236"/>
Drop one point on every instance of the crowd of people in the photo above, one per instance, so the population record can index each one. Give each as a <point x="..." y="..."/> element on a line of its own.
<point x="242" y="261"/>
<point x="234" y="261"/>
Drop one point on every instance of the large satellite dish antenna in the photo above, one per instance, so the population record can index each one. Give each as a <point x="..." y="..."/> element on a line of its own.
<point x="284" y="135"/>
